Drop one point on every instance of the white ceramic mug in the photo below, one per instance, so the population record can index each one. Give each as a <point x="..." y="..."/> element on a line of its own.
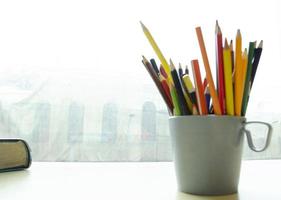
<point x="208" y="150"/>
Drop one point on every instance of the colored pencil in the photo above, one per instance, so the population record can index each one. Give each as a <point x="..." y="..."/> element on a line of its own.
<point x="201" y="101"/>
<point x="213" y="92"/>
<point x="187" y="96"/>
<point x="162" y="71"/>
<point x="186" y="70"/>
<point x="157" y="82"/>
<point x="235" y="75"/>
<point x="185" y="92"/>
<point x="232" y="56"/>
<point x="181" y="98"/>
<point x="188" y="101"/>
<point x="180" y="72"/>
<point x="166" y="88"/>
<point x="228" y="79"/>
<point x="238" y="78"/>
<point x="220" y="71"/>
<point x="175" y="99"/>
<point x="245" y="100"/>
<point x="157" y="51"/>
<point x="205" y="83"/>
<point x="240" y="93"/>
<point x="190" y="88"/>
<point x="154" y="65"/>
<point x="257" y="55"/>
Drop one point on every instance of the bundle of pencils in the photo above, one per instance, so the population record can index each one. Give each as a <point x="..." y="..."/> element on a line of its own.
<point x="235" y="74"/>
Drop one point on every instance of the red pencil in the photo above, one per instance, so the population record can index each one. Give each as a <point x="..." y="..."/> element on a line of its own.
<point x="205" y="83"/>
<point x="166" y="88"/>
<point x="158" y="84"/>
<point x="220" y="67"/>
<point x="162" y="71"/>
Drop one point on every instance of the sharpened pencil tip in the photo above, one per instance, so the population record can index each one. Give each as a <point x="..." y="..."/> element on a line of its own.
<point x="226" y="43"/>
<point x="261" y="44"/>
<point x="238" y="33"/>
<point x="231" y="45"/>
<point x="142" y="25"/>
<point x="186" y="69"/>
<point x="172" y="64"/>
<point x="245" y="52"/>
<point x="218" y="28"/>
<point x="144" y="59"/>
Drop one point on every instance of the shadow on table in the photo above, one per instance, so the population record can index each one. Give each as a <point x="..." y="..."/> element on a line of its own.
<point x="183" y="196"/>
<point x="14" y="175"/>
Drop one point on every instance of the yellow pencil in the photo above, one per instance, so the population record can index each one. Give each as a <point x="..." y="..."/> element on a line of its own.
<point x="157" y="51"/>
<point x="238" y="74"/>
<point x="188" y="101"/>
<point x="191" y="91"/>
<point x="228" y="79"/>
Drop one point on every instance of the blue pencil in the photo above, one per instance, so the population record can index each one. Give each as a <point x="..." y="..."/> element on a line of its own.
<point x="207" y="97"/>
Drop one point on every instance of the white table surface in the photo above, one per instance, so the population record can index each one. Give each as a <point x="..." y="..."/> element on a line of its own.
<point x="259" y="180"/>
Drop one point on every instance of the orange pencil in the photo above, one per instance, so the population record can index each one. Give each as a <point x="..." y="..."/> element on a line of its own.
<point x="238" y="75"/>
<point x="201" y="101"/>
<point x="213" y="92"/>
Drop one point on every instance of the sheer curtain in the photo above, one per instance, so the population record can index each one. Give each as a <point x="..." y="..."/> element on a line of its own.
<point x="72" y="83"/>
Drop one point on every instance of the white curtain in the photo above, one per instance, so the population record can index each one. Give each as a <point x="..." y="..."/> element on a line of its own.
<point x="73" y="86"/>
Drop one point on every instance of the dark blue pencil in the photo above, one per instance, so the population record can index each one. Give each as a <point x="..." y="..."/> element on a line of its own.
<point x="182" y="102"/>
<point x="154" y="65"/>
<point x="257" y="55"/>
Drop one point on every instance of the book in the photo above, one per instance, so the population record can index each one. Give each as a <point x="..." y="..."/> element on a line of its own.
<point x="14" y="155"/>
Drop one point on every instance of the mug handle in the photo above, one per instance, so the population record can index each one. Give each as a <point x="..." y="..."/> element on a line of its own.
<point x="249" y="136"/>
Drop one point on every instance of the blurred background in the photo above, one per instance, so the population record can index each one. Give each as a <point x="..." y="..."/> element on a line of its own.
<point x="72" y="83"/>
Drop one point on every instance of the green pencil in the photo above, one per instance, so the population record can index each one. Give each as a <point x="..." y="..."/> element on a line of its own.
<point x="245" y="100"/>
<point x="175" y="99"/>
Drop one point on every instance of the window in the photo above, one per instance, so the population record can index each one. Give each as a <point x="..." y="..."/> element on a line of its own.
<point x="72" y="83"/>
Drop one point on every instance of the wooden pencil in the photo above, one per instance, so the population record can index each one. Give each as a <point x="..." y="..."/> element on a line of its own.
<point x="213" y="92"/>
<point x="205" y="83"/>
<point x="157" y="82"/>
<point x="240" y="90"/>
<point x="232" y="56"/>
<point x="180" y="72"/>
<point x="257" y="55"/>
<point x="187" y="100"/>
<point x="181" y="98"/>
<point x="228" y="79"/>
<point x="162" y="71"/>
<point x="186" y="70"/>
<point x="185" y="91"/>
<point x="201" y="101"/>
<point x="157" y="50"/>
<point x="238" y="78"/>
<point x="154" y="65"/>
<point x="207" y="97"/>
<point x="220" y="68"/>
<point x="166" y="88"/>
<point x="175" y="99"/>
<point x="189" y="87"/>
<point x="246" y="94"/>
